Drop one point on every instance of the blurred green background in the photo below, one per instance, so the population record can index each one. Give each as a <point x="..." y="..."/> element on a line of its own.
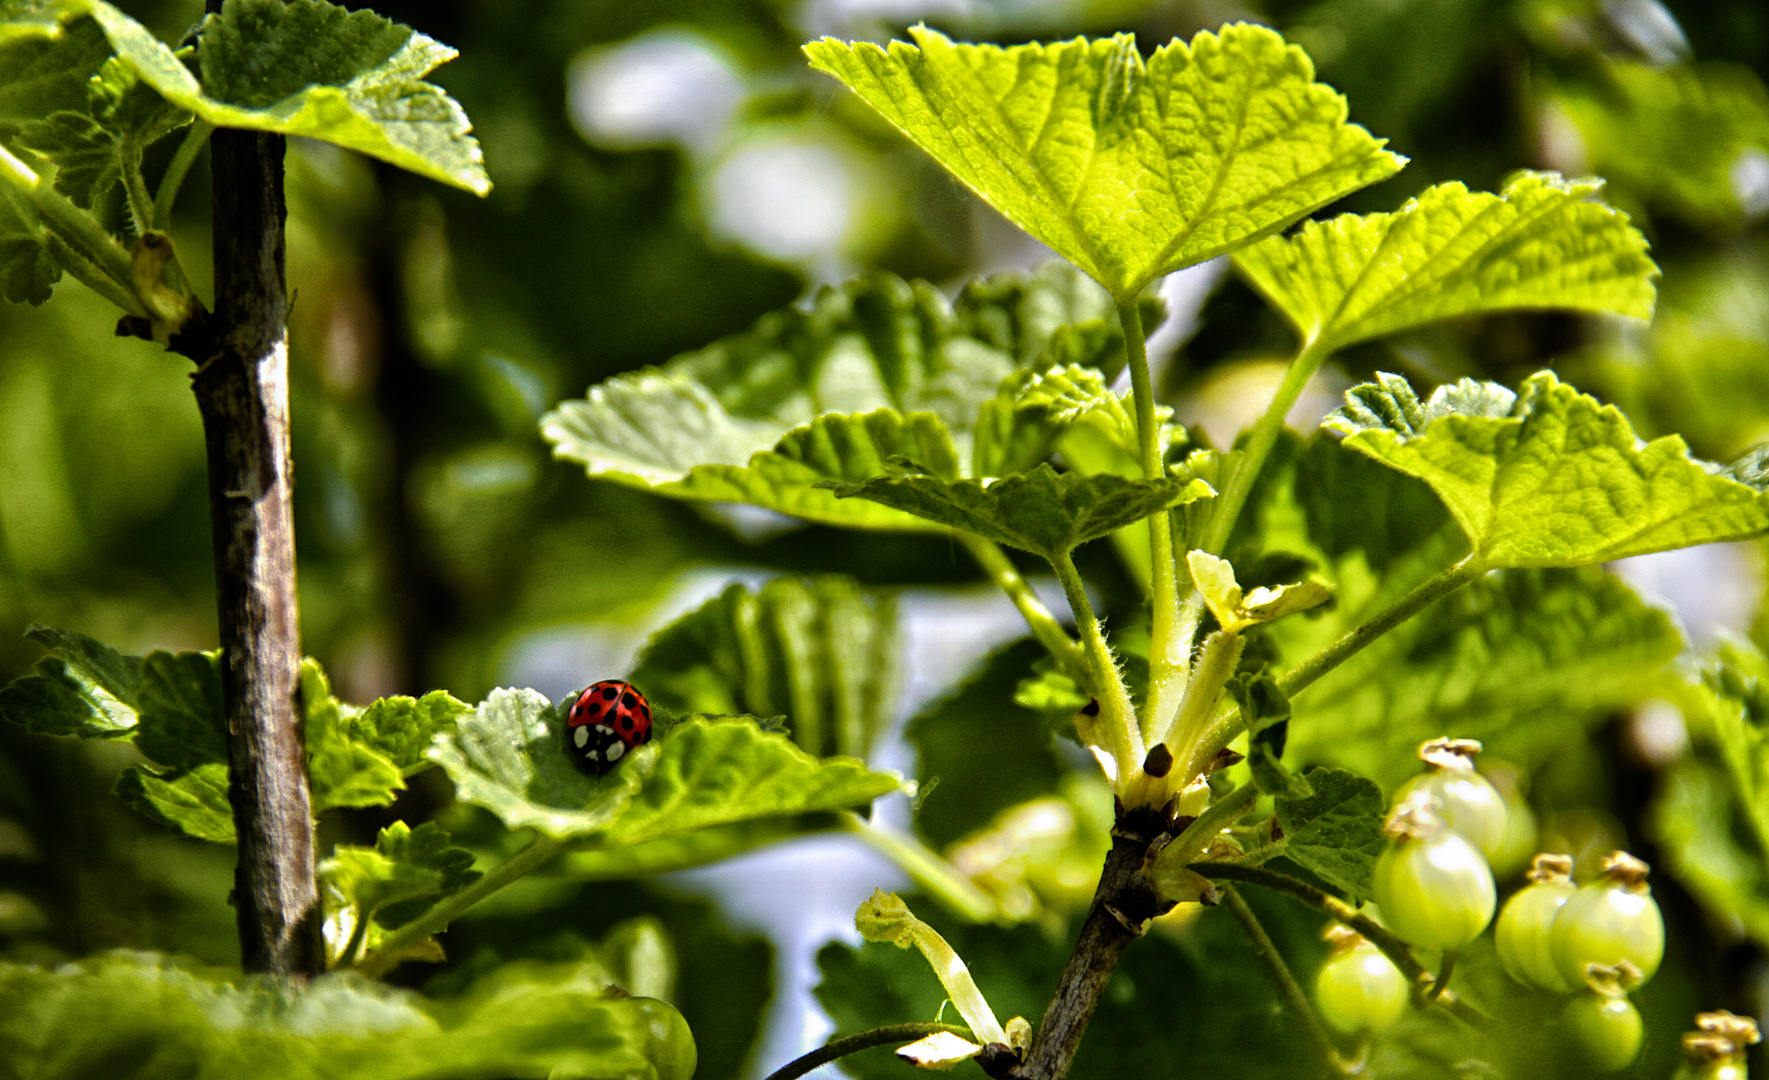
<point x="667" y="172"/>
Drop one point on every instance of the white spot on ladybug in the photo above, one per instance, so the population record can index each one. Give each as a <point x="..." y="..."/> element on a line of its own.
<point x="604" y="729"/>
<point x="616" y="750"/>
<point x="592" y="755"/>
<point x="581" y="735"/>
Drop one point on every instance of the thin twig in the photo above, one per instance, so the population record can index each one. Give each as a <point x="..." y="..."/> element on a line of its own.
<point x="1044" y="626"/>
<point x="864" y="1040"/>
<point x="1288" y="989"/>
<point x="1228" y="504"/>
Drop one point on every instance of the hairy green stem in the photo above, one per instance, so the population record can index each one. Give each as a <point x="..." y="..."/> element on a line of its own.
<point x="864" y="1040"/>
<point x="436" y="920"/>
<point x="141" y="203"/>
<point x="1223" y="730"/>
<point x="1167" y="652"/>
<point x="1216" y="817"/>
<point x="1294" y="998"/>
<point x="1117" y="714"/>
<point x="1045" y="627"/>
<point x="1377" y="934"/>
<point x="1233" y="497"/>
<point x="927" y="869"/>
<point x="85" y="250"/>
<point x="1203" y="693"/>
<point x="194" y="140"/>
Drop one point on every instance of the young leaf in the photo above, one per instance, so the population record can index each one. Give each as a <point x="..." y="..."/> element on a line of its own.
<point x="193" y="801"/>
<point x="83" y="687"/>
<point x="97" y="147"/>
<point x="886" y="919"/>
<point x="1041" y="511"/>
<point x="1235" y="610"/>
<point x="314" y="69"/>
<point x="509" y="756"/>
<point x="821" y="651"/>
<point x="1128" y="169"/>
<point x="118" y="1014"/>
<point x="1542" y="243"/>
<point x="714" y="772"/>
<point x="389" y="884"/>
<point x="340" y="770"/>
<point x="1337" y="831"/>
<point x="401" y="729"/>
<point x="877" y="368"/>
<point x="1549" y="477"/>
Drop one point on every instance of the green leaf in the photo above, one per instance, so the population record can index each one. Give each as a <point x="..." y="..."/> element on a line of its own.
<point x="1337" y="831"/>
<point x="83" y="687"/>
<point x="340" y="770"/>
<point x="192" y="801"/>
<point x="821" y="651"/>
<point x="126" y="1015"/>
<point x="877" y="368"/>
<point x="1542" y="243"/>
<point x="47" y="56"/>
<point x="509" y="756"/>
<point x="1042" y="511"/>
<point x="28" y="266"/>
<point x="679" y="852"/>
<point x="1556" y="479"/>
<point x="390" y="884"/>
<point x="714" y="772"/>
<point x="95" y="148"/>
<point x="401" y="729"/>
<point x="1236" y="610"/>
<point x="1128" y="169"/>
<point x="313" y="69"/>
<point x="183" y="717"/>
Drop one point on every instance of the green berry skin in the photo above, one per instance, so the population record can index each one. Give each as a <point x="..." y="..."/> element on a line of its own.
<point x="1606" y="1030"/>
<point x="1525" y="935"/>
<point x="1607" y="923"/>
<point x="1435" y="892"/>
<point x="1360" y="991"/>
<point x="1467" y="803"/>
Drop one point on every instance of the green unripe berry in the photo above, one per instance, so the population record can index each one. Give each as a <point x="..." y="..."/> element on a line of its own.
<point x="1524" y="935"/>
<point x="1717" y="1050"/>
<point x="1611" y="921"/>
<point x="1432" y="884"/>
<point x="1359" y="991"/>
<point x="1606" y="1029"/>
<point x="1466" y="801"/>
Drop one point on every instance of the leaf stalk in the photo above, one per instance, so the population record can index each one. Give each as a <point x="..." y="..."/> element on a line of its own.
<point x="1044" y="625"/>
<point x="1288" y="989"/>
<point x="864" y="1040"/>
<point x="1259" y="445"/>
<point x="939" y="878"/>
<point x="1116" y="711"/>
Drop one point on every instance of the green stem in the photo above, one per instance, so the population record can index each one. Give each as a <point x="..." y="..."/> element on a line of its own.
<point x="1216" y="817"/>
<point x="87" y="251"/>
<point x="1045" y="627"/>
<point x="194" y="141"/>
<point x="436" y="920"/>
<point x="1377" y="934"/>
<point x="141" y="203"/>
<point x="1116" y="711"/>
<point x="1223" y="730"/>
<point x="1294" y="998"/>
<point x="1167" y="651"/>
<point x="1203" y="693"/>
<point x="865" y="1040"/>
<point x="1265" y="436"/>
<point x="935" y="875"/>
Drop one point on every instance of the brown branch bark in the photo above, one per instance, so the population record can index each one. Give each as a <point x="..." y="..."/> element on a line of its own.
<point x="241" y="386"/>
<point x="1123" y="904"/>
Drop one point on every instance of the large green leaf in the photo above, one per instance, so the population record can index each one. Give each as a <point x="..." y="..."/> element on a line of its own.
<point x="1542" y="243"/>
<point x="1548" y="477"/>
<point x="138" y="1015"/>
<point x="678" y="852"/>
<point x="313" y="69"/>
<point x="1522" y="659"/>
<point x="1128" y="169"/>
<point x="1041" y="511"/>
<point x="877" y="368"/>
<point x="820" y="651"/>
<point x="509" y="756"/>
<point x="83" y="687"/>
<point x="47" y="57"/>
<point x="719" y="771"/>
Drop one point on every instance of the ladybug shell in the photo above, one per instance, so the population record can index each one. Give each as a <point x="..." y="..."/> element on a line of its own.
<point x="607" y="720"/>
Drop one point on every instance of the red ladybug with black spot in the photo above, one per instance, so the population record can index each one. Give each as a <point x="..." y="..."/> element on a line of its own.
<point x="606" y="721"/>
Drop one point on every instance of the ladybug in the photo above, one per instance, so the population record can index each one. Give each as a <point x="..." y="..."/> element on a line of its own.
<point x="607" y="719"/>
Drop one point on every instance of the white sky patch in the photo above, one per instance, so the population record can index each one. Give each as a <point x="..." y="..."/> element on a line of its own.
<point x="789" y="196"/>
<point x="668" y="86"/>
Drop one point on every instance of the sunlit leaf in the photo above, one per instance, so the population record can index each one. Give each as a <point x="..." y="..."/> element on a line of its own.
<point x="390" y="883"/>
<point x="83" y="687"/>
<point x="1129" y="169"/>
<point x="192" y="801"/>
<point x="1551" y="478"/>
<point x="401" y="729"/>
<point x="1543" y="243"/>
<point x="96" y="147"/>
<point x="1337" y="831"/>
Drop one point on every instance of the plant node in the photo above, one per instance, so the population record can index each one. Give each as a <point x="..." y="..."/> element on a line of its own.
<point x="1450" y="755"/>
